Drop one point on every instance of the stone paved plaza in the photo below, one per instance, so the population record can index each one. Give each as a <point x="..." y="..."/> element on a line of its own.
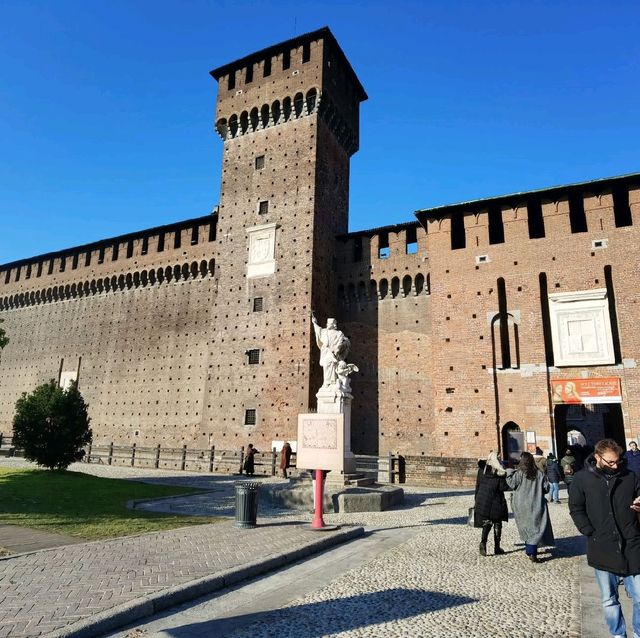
<point x="420" y="575"/>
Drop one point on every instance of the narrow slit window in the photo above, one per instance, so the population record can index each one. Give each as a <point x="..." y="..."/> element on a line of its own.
<point x="101" y="255"/>
<point x="74" y="262"/>
<point x="266" y="69"/>
<point x="87" y="258"/>
<point x="248" y="74"/>
<point x="63" y="264"/>
<point x="50" y="269"/>
<point x="357" y="249"/>
<point x="194" y="235"/>
<point x="577" y="217"/>
<point x="212" y="228"/>
<point x="160" y="242"/>
<point x="621" y="208"/>
<point x="505" y="346"/>
<point x="145" y="246"/>
<point x="535" y="219"/>
<point x="384" y="251"/>
<point x="130" y="249"/>
<point x="231" y="81"/>
<point x="458" y="236"/>
<point x="286" y="60"/>
<point x="18" y="274"/>
<point x="496" y="227"/>
<point x="306" y="52"/>
<point x="39" y="271"/>
<point x="7" y="277"/>
<point x="412" y="241"/>
<point x="114" y="255"/>
<point x="28" y="275"/>
<point x="177" y="239"/>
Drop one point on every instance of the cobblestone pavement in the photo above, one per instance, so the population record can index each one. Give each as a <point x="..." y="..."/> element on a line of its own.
<point x="432" y="585"/>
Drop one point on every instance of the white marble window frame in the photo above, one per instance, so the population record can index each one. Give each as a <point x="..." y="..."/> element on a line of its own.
<point x="582" y="305"/>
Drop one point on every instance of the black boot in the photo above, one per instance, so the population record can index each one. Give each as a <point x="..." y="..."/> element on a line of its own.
<point x="497" y="535"/>
<point x="486" y="528"/>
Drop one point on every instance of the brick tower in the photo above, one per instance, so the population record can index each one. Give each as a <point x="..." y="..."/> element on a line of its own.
<point x="289" y="119"/>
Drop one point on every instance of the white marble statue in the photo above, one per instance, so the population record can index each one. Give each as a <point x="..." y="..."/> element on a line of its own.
<point x="334" y="347"/>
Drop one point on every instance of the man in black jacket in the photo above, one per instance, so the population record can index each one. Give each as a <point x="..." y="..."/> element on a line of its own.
<point x="603" y="502"/>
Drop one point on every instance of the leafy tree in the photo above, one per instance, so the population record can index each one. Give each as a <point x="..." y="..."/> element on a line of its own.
<point x="52" y="425"/>
<point x="4" y="340"/>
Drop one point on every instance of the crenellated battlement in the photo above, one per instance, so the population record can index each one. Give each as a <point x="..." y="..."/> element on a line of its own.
<point x="107" y="259"/>
<point x="591" y="207"/>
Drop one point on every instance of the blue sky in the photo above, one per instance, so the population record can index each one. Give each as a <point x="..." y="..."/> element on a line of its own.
<point x="107" y="108"/>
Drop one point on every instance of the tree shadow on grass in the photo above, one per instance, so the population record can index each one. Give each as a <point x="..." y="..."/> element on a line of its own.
<point x="318" y="619"/>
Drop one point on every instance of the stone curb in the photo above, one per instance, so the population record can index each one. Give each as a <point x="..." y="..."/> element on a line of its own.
<point x="131" y="611"/>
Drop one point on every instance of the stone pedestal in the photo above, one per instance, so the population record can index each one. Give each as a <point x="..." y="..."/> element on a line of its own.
<point x="335" y="401"/>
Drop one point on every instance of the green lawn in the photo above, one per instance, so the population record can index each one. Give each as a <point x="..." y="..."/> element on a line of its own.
<point x="82" y="505"/>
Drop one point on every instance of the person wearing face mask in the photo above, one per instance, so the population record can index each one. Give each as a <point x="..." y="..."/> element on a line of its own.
<point x="604" y="499"/>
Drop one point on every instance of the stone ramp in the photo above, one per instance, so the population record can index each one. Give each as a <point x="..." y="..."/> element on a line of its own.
<point x="90" y="588"/>
<point x="19" y="540"/>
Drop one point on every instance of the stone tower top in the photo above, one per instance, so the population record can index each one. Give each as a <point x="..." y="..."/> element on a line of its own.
<point x="289" y="79"/>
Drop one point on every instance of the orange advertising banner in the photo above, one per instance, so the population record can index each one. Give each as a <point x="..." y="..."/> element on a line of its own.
<point x="604" y="390"/>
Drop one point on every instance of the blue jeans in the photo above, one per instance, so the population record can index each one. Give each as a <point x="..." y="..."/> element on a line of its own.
<point x="608" y="584"/>
<point x="554" y="492"/>
<point x="531" y="550"/>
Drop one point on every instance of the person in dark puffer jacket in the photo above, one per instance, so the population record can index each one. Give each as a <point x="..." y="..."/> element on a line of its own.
<point x="632" y="457"/>
<point x="604" y="499"/>
<point x="490" y="503"/>
<point x="553" y="475"/>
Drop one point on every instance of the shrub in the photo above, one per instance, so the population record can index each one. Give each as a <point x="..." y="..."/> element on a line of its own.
<point x="52" y="426"/>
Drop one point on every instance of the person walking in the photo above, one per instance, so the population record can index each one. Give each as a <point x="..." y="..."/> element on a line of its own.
<point x="603" y="502"/>
<point x="568" y="467"/>
<point x="490" y="503"/>
<point x="249" y="460"/>
<point x="632" y="458"/>
<point x="553" y="476"/>
<point x="285" y="458"/>
<point x="530" y="506"/>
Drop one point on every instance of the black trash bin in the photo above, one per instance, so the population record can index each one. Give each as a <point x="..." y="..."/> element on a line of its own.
<point x="246" y="504"/>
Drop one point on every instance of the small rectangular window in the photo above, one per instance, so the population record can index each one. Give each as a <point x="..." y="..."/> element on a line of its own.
<point x="28" y="275"/>
<point x="263" y="207"/>
<point x="248" y="76"/>
<point x="50" y="269"/>
<point x="130" y="249"/>
<point x="7" y="277"/>
<point x="259" y="162"/>
<point x="257" y="304"/>
<point x="231" y="81"/>
<point x="145" y="246"/>
<point x="87" y="258"/>
<point x="63" y="264"/>
<point x="306" y="52"/>
<point x="212" y="228"/>
<point x="18" y="274"/>
<point x="101" y="255"/>
<point x="39" y="271"/>
<point x="116" y="250"/>
<point x="249" y="417"/>
<point x="383" y="246"/>
<point x="160" y="242"/>
<point x="286" y="60"/>
<point x="267" y="68"/>
<point x="177" y="238"/>
<point x="74" y="262"/>
<point x="253" y="356"/>
<point x="194" y="235"/>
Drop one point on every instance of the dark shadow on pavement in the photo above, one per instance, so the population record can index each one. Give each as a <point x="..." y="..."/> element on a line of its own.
<point x="456" y="520"/>
<point x="331" y="616"/>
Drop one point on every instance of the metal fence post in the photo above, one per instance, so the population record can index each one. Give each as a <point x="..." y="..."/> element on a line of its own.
<point x="184" y="457"/>
<point x="88" y="457"/>
<point x="274" y="455"/>
<point x="211" y="454"/>
<point x="390" y="468"/>
<point x="241" y="458"/>
<point x="110" y="459"/>
<point x="158" y="456"/>
<point x="1" y="435"/>
<point x="133" y="454"/>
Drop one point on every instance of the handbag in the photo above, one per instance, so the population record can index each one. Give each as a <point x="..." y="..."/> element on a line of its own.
<point x="472" y="519"/>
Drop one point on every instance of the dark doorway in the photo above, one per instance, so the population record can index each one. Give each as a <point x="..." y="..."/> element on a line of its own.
<point x="613" y="424"/>
<point x="593" y="421"/>
<point x="512" y="442"/>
